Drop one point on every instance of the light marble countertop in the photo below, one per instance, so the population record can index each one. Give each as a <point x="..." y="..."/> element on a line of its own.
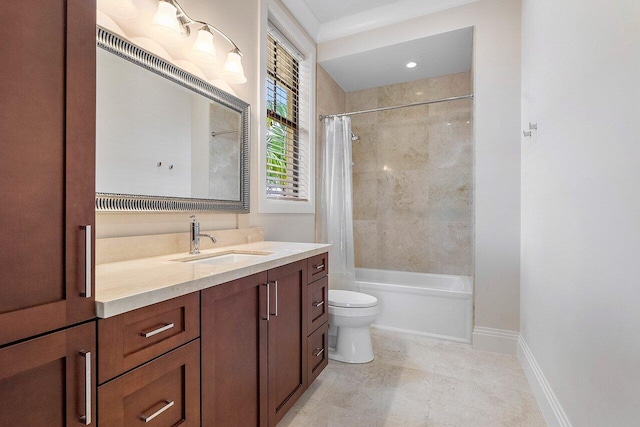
<point x="128" y="285"/>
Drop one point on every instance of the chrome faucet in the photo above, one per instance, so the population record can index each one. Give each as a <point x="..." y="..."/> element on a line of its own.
<point x="194" y="247"/>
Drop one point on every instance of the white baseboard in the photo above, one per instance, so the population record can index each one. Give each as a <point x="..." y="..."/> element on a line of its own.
<point x="496" y="340"/>
<point x="547" y="400"/>
<point x="419" y="333"/>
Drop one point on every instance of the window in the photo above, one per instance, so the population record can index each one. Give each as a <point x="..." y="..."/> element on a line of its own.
<point x="286" y="163"/>
<point x="284" y="157"/>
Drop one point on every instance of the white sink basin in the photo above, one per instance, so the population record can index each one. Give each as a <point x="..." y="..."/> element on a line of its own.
<point x="228" y="258"/>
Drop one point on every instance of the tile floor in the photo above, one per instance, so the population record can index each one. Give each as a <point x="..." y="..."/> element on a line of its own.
<point x="418" y="381"/>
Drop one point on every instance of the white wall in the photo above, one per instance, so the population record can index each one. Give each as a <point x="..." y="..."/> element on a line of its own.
<point x="581" y="205"/>
<point x="497" y="150"/>
<point x="241" y="20"/>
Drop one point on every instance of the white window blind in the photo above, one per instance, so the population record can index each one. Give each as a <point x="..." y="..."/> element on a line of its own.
<point x="287" y="174"/>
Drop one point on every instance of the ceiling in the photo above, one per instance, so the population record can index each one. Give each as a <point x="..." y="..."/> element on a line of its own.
<point x="329" y="10"/>
<point x="331" y="19"/>
<point x="438" y="55"/>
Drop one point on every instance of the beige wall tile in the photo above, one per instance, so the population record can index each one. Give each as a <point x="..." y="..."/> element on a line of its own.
<point x="413" y="177"/>
<point x="364" y="150"/>
<point x="365" y="205"/>
<point x="365" y="236"/>
<point x="403" y="244"/>
<point x="402" y="194"/>
<point x="449" y="251"/>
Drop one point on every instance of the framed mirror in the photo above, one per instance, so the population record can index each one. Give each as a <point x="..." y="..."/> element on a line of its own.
<point x="165" y="139"/>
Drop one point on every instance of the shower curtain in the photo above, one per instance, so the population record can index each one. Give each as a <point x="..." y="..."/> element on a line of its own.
<point x="335" y="202"/>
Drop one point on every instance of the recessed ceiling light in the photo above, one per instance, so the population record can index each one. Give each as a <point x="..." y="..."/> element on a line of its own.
<point x="412" y="64"/>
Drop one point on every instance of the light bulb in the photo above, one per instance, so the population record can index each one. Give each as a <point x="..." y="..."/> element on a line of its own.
<point x="118" y="8"/>
<point x="203" y="52"/>
<point x="233" y="71"/>
<point x="165" y="27"/>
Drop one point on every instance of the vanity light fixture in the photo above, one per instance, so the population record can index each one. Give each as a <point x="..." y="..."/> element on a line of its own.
<point x="118" y="8"/>
<point x="412" y="64"/>
<point x="171" y="25"/>
<point x="203" y="52"/>
<point x="233" y="70"/>
<point x="165" y="26"/>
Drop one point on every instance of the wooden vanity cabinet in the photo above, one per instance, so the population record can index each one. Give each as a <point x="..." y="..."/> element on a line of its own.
<point x="149" y="365"/>
<point x="47" y="165"/>
<point x="50" y="380"/>
<point x="255" y="361"/>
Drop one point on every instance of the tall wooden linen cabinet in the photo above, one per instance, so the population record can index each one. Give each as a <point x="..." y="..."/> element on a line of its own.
<point x="47" y="164"/>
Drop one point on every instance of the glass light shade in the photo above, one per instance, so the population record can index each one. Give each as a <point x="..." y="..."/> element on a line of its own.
<point x="118" y="8"/>
<point x="233" y="71"/>
<point x="203" y="52"/>
<point x="165" y="27"/>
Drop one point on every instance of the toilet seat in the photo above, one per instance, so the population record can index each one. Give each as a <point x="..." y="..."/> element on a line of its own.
<point x="350" y="299"/>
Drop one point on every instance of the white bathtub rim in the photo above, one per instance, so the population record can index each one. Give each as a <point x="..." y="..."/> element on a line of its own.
<point x="466" y="340"/>
<point x="416" y="290"/>
<point x="371" y="277"/>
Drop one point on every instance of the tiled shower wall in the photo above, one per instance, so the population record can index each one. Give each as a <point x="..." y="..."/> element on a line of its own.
<point x="413" y="177"/>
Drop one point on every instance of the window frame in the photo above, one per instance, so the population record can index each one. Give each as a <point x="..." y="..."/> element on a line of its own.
<point x="307" y="119"/>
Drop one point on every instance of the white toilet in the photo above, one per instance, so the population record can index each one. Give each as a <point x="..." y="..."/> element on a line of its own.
<point x="350" y="314"/>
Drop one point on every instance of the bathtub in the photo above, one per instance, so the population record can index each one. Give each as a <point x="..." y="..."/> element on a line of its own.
<point x="435" y="305"/>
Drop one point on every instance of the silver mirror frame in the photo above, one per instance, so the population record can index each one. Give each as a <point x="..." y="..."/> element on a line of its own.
<point x="110" y="202"/>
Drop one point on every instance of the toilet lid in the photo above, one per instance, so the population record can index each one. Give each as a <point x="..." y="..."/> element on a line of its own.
<point x="351" y="299"/>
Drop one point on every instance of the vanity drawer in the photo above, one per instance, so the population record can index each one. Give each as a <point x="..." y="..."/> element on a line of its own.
<point x="317" y="267"/>
<point x="131" y="339"/>
<point x="318" y="352"/>
<point x="318" y="304"/>
<point x="164" y="392"/>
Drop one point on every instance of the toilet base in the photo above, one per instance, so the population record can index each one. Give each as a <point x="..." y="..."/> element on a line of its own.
<point x="353" y="345"/>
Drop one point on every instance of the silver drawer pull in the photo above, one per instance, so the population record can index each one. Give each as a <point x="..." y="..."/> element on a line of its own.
<point x="86" y="418"/>
<point x="318" y="352"/>
<point x="268" y="303"/>
<point x="147" y="418"/>
<point x="157" y="331"/>
<point x="318" y="303"/>
<point x="87" y="261"/>
<point x="276" y="313"/>
<point x="318" y="266"/>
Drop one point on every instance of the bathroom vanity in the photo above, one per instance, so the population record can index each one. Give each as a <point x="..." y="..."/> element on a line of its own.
<point x="235" y="334"/>
<point x="232" y="336"/>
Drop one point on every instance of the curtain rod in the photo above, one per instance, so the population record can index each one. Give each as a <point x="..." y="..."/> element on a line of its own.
<point x="415" y="104"/>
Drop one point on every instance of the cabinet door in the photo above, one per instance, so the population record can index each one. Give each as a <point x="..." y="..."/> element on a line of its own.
<point x="287" y="341"/>
<point x="50" y="381"/>
<point x="234" y="346"/>
<point x="47" y="129"/>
